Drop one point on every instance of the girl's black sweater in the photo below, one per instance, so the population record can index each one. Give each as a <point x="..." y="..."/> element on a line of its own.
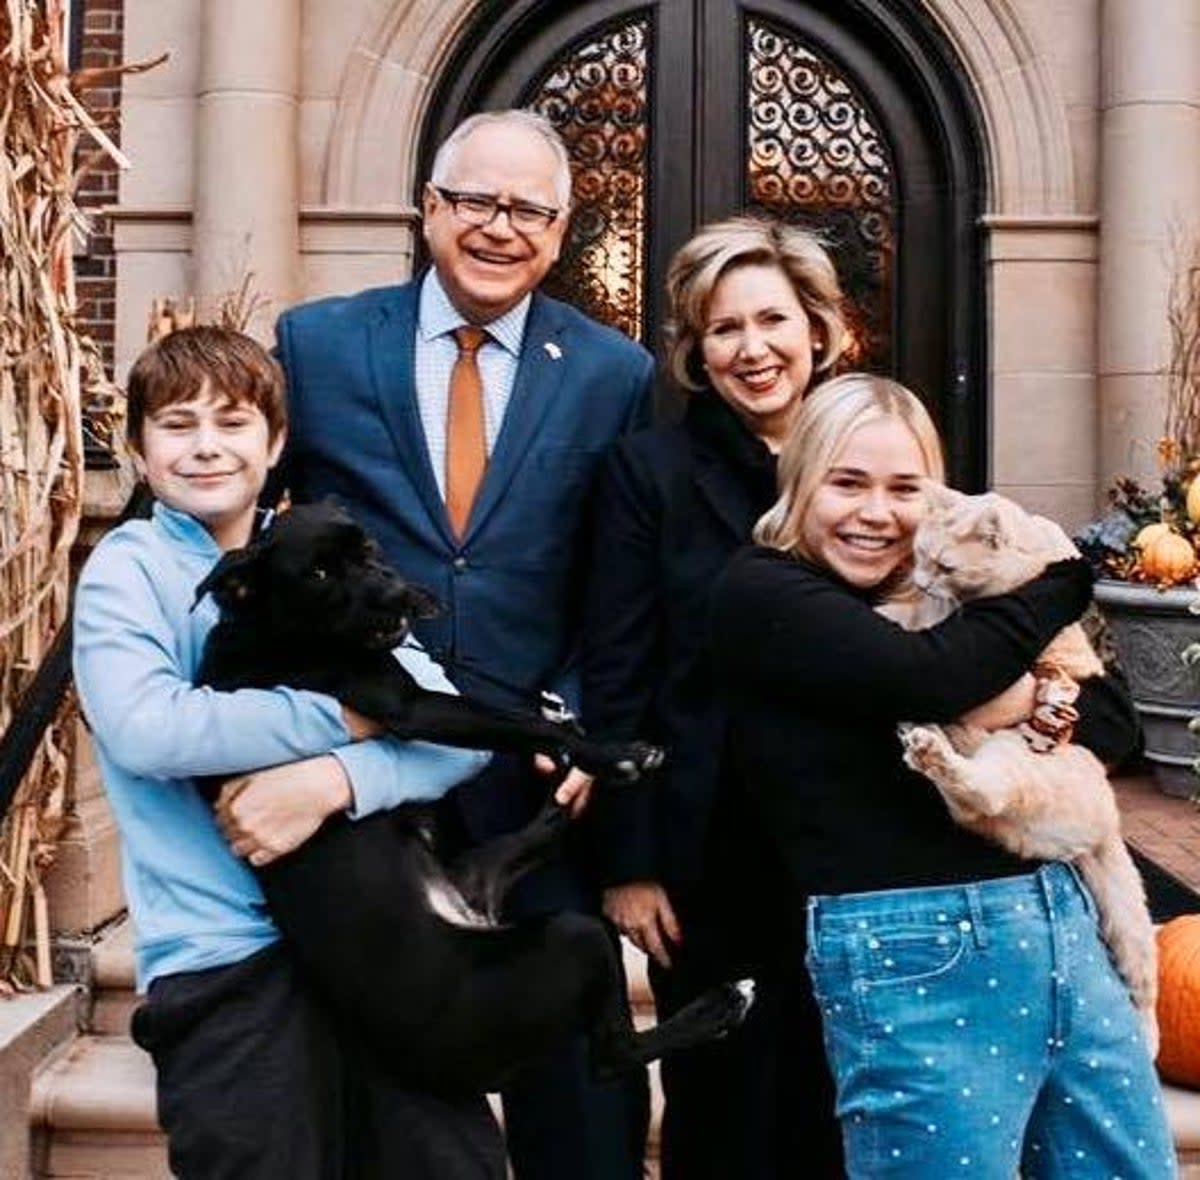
<point x="815" y="682"/>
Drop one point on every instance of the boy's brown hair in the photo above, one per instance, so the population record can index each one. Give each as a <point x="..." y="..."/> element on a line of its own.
<point x="175" y="368"/>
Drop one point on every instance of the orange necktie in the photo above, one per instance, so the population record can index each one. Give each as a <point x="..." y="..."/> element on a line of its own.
<point x="466" y="447"/>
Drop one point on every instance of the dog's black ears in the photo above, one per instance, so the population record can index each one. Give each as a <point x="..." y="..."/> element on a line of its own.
<point x="233" y="581"/>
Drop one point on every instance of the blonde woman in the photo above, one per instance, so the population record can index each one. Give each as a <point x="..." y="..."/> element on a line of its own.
<point x="755" y="319"/>
<point x="973" y="1021"/>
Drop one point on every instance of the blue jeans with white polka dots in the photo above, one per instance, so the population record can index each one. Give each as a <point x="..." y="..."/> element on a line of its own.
<point x="980" y="1031"/>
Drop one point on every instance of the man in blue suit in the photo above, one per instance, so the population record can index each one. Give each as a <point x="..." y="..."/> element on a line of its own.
<point x="468" y="454"/>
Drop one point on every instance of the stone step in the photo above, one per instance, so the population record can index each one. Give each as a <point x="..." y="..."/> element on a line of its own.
<point x="92" y="1114"/>
<point x="33" y="1026"/>
<point x="93" y="1105"/>
<point x="641" y="1000"/>
<point x="93" y="1110"/>
<point x="1183" y="1113"/>
<point x="113" y="997"/>
<point x="97" y="1097"/>
<point x="640" y="996"/>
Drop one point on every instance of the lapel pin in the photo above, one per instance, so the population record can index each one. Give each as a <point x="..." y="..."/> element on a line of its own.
<point x="552" y="350"/>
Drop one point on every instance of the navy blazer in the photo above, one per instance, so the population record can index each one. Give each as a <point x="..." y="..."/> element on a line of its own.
<point x="673" y="505"/>
<point x="511" y="587"/>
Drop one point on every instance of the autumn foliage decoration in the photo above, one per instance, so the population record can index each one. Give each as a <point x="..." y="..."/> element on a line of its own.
<point x="1153" y="536"/>
<point x="42" y="358"/>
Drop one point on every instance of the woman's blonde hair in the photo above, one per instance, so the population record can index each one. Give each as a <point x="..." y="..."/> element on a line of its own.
<point x="825" y="420"/>
<point x="716" y="249"/>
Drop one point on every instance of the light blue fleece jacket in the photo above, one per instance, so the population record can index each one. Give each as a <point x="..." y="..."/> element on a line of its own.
<point x="138" y="644"/>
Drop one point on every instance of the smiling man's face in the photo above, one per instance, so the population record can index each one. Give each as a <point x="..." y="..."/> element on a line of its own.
<point x="487" y="270"/>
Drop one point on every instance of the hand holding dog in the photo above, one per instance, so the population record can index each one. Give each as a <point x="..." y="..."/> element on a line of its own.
<point x="269" y="813"/>
<point x="361" y="727"/>
<point x="642" y="912"/>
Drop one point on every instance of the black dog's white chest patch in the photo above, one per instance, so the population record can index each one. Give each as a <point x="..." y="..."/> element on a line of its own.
<point x="450" y="905"/>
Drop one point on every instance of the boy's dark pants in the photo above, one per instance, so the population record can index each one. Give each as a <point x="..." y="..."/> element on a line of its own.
<point x="253" y="1085"/>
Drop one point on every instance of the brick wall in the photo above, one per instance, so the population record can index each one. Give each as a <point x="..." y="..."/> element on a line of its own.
<point x="99" y="42"/>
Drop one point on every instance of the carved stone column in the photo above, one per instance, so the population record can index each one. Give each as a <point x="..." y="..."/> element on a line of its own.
<point x="246" y="200"/>
<point x="1150" y="197"/>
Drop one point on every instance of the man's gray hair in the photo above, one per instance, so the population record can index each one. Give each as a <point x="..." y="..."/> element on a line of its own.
<point x="443" y="162"/>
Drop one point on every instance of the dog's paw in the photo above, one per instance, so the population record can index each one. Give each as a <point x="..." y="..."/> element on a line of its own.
<point x="927" y="750"/>
<point x="721" y="1009"/>
<point x="746" y="994"/>
<point x="638" y="758"/>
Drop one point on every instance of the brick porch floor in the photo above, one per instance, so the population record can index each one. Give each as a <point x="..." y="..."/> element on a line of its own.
<point x="1163" y="828"/>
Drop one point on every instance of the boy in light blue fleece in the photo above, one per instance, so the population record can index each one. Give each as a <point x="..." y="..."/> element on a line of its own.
<point x="252" y="1080"/>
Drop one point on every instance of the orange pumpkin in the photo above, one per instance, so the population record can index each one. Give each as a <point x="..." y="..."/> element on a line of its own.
<point x="1167" y="558"/>
<point x="1179" y="1000"/>
<point x="1150" y="533"/>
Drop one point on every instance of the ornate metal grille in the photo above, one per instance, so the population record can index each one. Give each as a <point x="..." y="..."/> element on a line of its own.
<point x="595" y="93"/>
<point x="816" y="156"/>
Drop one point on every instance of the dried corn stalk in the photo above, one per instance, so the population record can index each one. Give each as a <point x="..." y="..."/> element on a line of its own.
<point x="1183" y="368"/>
<point x="41" y="456"/>
<point x="235" y="309"/>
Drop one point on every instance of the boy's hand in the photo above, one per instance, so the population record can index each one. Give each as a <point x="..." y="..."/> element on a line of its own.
<point x="269" y="813"/>
<point x="360" y="727"/>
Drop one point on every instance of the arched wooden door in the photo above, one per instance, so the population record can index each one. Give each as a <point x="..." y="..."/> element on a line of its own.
<point x="849" y="115"/>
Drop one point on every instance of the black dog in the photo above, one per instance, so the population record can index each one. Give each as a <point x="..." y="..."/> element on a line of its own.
<point x="405" y="946"/>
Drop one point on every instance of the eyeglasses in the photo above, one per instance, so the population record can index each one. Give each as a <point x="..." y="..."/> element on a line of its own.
<point x="480" y="209"/>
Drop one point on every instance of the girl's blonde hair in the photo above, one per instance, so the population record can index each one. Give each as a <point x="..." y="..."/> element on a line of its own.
<point x="825" y="420"/>
<point x="716" y="249"/>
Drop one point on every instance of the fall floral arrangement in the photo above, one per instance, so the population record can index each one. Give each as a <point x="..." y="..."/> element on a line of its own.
<point x="1154" y="536"/>
<point x="1146" y="536"/>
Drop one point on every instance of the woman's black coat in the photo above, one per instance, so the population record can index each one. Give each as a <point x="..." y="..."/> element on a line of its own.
<point x="672" y="506"/>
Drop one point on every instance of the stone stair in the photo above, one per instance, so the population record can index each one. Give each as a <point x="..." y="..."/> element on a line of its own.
<point x="92" y="1107"/>
<point x="32" y="1027"/>
<point x="1183" y="1113"/>
<point x="92" y="1112"/>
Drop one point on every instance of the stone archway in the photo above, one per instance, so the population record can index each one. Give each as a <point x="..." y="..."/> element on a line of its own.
<point x="390" y="76"/>
<point x="1028" y="140"/>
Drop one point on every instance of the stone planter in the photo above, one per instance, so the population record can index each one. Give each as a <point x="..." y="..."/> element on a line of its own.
<point x="1150" y="629"/>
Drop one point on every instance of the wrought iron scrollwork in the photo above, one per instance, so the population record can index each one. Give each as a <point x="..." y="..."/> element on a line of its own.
<point x="595" y="94"/>
<point x="816" y="155"/>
